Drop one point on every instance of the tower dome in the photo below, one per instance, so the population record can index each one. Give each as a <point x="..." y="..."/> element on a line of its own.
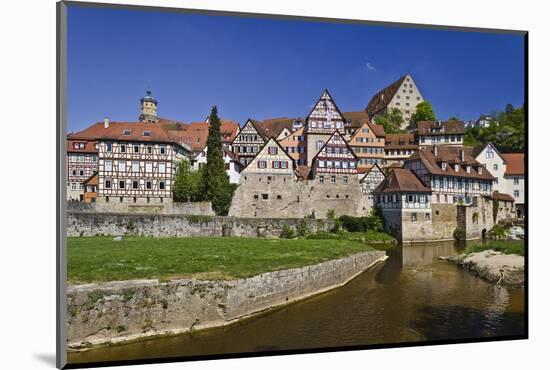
<point x="148" y="108"/>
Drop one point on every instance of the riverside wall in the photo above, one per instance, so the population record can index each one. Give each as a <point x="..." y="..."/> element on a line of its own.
<point x="122" y="311"/>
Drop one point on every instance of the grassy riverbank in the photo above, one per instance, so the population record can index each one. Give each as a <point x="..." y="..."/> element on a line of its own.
<point x="504" y="246"/>
<point x="97" y="259"/>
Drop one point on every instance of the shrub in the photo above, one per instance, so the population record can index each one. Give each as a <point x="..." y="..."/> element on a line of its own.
<point x="375" y="222"/>
<point x="287" y="233"/>
<point x="302" y="230"/>
<point x="337" y="226"/>
<point x="459" y="234"/>
<point x="354" y="224"/>
<point x="331" y="214"/>
<point x="497" y="232"/>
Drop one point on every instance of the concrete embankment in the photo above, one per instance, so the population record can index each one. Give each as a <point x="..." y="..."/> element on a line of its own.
<point x="129" y="310"/>
<point x="493" y="266"/>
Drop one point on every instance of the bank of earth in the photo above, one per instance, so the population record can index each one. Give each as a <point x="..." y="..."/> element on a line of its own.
<point x="497" y="261"/>
<point x="195" y="283"/>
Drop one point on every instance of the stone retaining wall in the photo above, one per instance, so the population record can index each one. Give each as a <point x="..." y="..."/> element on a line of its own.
<point x="121" y="311"/>
<point x="91" y="224"/>
<point x="168" y="207"/>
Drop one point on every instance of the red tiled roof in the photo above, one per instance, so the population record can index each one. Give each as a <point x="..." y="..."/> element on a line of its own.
<point x="356" y="119"/>
<point x="92" y="180"/>
<point x="515" y="164"/>
<point x="401" y="180"/>
<point x="89" y="146"/>
<point x="116" y="131"/>
<point x="502" y="196"/>
<point x="450" y="155"/>
<point x="274" y="126"/>
<point x="400" y="141"/>
<point x="448" y="127"/>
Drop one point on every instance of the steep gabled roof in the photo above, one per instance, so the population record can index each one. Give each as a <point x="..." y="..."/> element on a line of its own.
<point x="317" y="102"/>
<point x="401" y="180"/>
<point x="370" y="170"/>
<point x="382" y="98"/>
<point x="336" y="132"/>
<point x="476" y="150"/>
<point x="377" y="130"/>
<point x="92" y="180"/>
<point x="515" y="164"/>
<point x="257" y="126"/>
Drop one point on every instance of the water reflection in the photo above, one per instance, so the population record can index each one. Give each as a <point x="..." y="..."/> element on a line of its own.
<point x="411" y="297"/>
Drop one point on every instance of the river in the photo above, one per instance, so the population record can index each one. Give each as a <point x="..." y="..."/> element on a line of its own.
<point x="410" y="297"/>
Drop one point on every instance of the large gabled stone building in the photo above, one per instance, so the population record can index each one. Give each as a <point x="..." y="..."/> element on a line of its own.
<point x="403" y="95"/>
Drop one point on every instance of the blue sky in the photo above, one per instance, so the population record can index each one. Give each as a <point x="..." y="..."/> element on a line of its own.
<point x="264" y="68"/>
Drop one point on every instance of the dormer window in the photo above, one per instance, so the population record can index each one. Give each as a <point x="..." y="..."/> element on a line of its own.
<point x="468" y="169"/>
<point x="146" y="133"/>
<point x="126" y="132"/>
<point x="480" y="170"/>
<point x="444" y="166"/>
<point x="456" y="167"/>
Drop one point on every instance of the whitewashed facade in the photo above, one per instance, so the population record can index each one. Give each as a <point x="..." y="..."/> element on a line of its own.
<point x="232" y="165"/>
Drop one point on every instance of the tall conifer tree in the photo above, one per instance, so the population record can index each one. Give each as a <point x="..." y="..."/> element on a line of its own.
<point x="215" y="185"/>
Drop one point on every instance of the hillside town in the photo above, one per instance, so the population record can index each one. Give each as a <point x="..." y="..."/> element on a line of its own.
<point x="420" y="175"/>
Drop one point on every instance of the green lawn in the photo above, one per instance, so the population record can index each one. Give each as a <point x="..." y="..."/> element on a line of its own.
<point x="95" y="259"/>
<point x="504" y="246"/>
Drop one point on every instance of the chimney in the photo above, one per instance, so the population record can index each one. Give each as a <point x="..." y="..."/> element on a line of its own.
<point x="106" y="122"/>
<point x="462" y="155"/>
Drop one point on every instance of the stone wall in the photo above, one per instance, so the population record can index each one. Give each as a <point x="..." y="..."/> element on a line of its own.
<point x="283" y="197"/>
<point x="120" y="311"/>
<point x="90" y="224"/>
<point x="127" y="206"/>
<point x="444" y="218"/>
<point x="476" y="219"/>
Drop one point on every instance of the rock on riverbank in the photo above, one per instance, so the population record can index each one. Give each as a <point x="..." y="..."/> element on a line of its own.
<point x="493" y="266"/>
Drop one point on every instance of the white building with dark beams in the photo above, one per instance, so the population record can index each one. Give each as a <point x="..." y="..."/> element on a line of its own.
<point x="137" y="165"/>
<point x="453" y="175"/>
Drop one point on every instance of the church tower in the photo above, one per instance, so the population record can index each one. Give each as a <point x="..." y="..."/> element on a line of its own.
<point x="148" y="109"/>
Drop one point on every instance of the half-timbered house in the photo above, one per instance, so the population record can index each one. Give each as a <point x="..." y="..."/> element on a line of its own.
<point x="440" y="132"/>
<point x="82" y="162"/>
<point x="371" y="179"/>
<point x="137" y="164"/>
<point x="454" y="176"/>
<point x="321" y="123"/>
<point x="248" y="142"/>
<point x="335" y="161"/>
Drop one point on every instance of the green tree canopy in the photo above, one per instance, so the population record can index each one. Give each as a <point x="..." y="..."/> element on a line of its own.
<point x="391" y="120"/>
<point x="507" y="133"/>
<point x="187" y="183"/>
<point x="424" y="112"/>
<point x="215" y="185"/>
